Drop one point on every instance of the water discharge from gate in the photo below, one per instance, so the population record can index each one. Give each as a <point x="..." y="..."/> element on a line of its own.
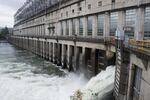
<point x="25" y="76"/>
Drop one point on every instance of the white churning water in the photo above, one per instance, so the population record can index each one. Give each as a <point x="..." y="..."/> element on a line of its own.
<point x="24" y="76"/>
<point x="99" y="87"/>
<point x="21" y="79"/>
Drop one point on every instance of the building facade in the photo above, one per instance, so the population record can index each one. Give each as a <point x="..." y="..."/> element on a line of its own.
<point x="80" y="35"/>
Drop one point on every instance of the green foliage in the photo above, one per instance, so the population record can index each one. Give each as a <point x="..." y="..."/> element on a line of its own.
<point x="4" y="32"/>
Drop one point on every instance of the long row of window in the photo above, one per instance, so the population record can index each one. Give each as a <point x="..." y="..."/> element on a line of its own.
<point x="130" y="19"/>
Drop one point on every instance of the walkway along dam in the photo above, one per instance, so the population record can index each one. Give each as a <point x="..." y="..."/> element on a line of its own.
<point x="86" y="36"/>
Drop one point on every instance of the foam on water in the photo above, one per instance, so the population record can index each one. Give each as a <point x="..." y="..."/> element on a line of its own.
<point x="25" y="85"/>
<point x="19" y="82"/>
<point x="99" y="87"/>
<point x="24" y="76"/>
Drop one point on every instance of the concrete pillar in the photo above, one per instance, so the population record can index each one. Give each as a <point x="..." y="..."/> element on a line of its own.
<point x="85" y="26"/>
<point x="139" y="24"/>
<point x="106" y="25"/>
<point x="54" y="53"/>
<point x="121" y="22"/>
<point x="93" y="63"/>
<point x="59" y="54"/>
<point x="39" y="31"/>
<point x="59" y="29"/>
<point x="130" y="82"/>
<point x="36" y="47"/>
<point x="42" y="48"/>
<point x="95" y="25"/>
<point x="83" y="60"/>
<point x="47" y="50"/>
<point x="36" y="31"/>
<point x="69" y="58"/>
<point x="70" y="27"/>
<point x="50" y="51"/>
<point x="63" y="54"/>
<point x="76" y="58"/>
<point x="55" y="29"/>
<point x="64" y="28"/>
<point x="77" y="26"/>
<point x="46" y="29"/>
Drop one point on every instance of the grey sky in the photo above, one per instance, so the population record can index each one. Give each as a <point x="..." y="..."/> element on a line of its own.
<point x="7" y="10"/>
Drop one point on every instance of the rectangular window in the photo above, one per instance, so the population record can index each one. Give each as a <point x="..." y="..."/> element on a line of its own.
<point x="137" y="83"/>
<point x="90" y="22"/>
<point x="147" y="23"/>
<point x="113" y="23"/>
<point x="89" y="6"/>
<point x="130" y="22"/>
<point x="72" y="10"/>
<point x="80" y="8"/>
<point x="100" y="25"/>
<point x="113" y="1"/>
<point x="81" y="26"/>
<point x="100" y="3"/>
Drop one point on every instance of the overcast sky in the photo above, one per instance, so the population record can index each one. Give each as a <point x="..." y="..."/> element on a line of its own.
<point x="7" y="11"/>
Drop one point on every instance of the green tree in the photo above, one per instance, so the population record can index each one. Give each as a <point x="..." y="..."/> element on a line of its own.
<point x="4" y="32"/>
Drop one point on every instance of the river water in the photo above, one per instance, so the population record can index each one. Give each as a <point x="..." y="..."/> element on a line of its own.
<point x="25" y="76"/>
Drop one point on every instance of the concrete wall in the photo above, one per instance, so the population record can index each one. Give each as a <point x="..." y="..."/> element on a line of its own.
<point x="144" y="64"/>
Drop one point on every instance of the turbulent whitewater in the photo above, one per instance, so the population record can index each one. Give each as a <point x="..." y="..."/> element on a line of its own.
<point x="99" y="87"/>
<point x="25" y="76"/>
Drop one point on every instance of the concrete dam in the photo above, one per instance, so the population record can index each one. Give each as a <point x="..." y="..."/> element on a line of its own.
<point x="87" y="36"/>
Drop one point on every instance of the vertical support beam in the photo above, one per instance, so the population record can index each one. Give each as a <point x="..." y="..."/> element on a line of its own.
<point x="64" y="28"/>
<point x="70" y="27"/>
<point x="39" y="30"/>
<point x="139" y="24"/>
<point x="46" y="29"/>
<point x="69" y="58"/>
<point x="58" y="54"/>
<point x="75" y="59"/>
<point x="82" y="61"/>
<point x="85" y="26"/>
<point x="93" y="63"/>
<point x="59" y="29"/>
<point x="121" y="21"/>
<point x="130" y="82"/>
<point x="54" y="53"/>
<point x="106" y="25"/>
<point x="63" y="54"/>
<point x="47" y="57"/>
<point x="77" y="26"/>
<point x="43" y="48"/>
<point x="50" y="51"/>
<point x="95" y="26"/>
